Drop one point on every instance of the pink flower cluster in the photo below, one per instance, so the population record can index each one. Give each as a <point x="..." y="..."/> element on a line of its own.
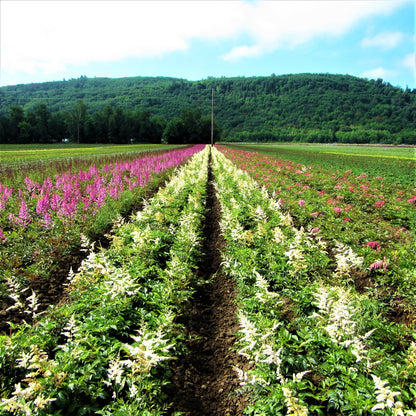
<point x="375" y="245"/>
<point x="82" y="194"/>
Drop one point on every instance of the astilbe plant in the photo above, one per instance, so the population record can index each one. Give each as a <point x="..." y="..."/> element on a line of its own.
<point x="41" y="223"/>
<point x="313" y="344"/>
<point x="118" y="329"/>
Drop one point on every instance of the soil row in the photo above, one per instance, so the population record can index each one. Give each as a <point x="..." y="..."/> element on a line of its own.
<point x="204" y="380"/>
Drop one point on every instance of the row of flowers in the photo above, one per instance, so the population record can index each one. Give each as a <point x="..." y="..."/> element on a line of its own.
<point x="374" y="217"/>
<point x="77" y="196"/>
<point x="316" y="346"/>
<point x="41" y="223"/>
<point x="106" y="351"/>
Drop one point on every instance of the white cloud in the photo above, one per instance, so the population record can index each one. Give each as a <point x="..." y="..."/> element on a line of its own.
<point x="409" y="61"/>
<point x="244" y="51"/>
<point x="40" y="34"/>
<point x="385" y="40"/>
<point x="276" y="24"/>
<point x="47" y="36"/>
<point x="378" y="72"/>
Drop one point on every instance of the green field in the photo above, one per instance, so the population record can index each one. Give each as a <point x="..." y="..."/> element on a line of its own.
<point x="34" y="152"/>
<point x="394" y="163"/>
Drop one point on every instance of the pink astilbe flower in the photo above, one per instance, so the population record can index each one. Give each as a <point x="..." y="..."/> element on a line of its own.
<point x="3" y="238"/>
<point x="314" y="214"/>
<point x="301" y="202"/>
<point x="380" y="264"/>
<point x="23" y="217"/>
<point x="47" y="221"/>
<point x="379" y="204"/>
<point x="412" y="200"/>
<point x="375" y="245"/>
<point x="43" y="204"/>
<point x="5" y="194"/>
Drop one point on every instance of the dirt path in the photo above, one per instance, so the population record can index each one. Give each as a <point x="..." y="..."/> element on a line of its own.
<point x="204" y="380"/>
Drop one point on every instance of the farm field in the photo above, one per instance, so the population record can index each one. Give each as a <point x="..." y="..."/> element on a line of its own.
<point x="397" y="163"/>
<point x="245" y="283"/>
<point x="28" y="160"/>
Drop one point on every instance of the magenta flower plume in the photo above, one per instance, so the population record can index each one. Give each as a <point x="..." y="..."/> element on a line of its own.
<point x="375" y="245"/>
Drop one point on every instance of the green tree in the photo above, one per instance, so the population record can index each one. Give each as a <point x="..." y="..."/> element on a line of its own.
<point x="78" y="115"/>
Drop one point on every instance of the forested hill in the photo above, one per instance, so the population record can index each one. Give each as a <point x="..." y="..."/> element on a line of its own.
<point x="307" y="107"/>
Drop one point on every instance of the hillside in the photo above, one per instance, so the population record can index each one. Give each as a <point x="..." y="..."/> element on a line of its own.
<point x="308" y="107"/>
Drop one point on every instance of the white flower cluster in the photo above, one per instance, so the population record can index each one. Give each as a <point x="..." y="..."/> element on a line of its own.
<point x="346" y="260"/>
<point x="296" y="251"/>
<point x="386" y="399"/>
<point x="292" y="403"/>
<point x="30" y="400"/>
<point x="146" y="352"/>
<point x="263" y="294"/>
<point x="336" y="316"/>
<point x="28" y="305"/>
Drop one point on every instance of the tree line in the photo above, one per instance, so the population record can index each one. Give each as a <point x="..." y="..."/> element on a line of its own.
<point x="109" y="125"/>
<point x="301" y="107"/>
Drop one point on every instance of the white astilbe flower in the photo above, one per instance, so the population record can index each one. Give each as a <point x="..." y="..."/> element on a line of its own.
<point x="149" y="351"/>
<point x="293" y="407"/>
<point x="296" y="259"/>
<point x="260" y="215"/>
<point x="278" y="236"/>
<point x="273" y="357"/>
<point x="286" y="219"/>
<point x="275" y="205"/>
<point x="40" y="367"/>
<point x="86" y="244"/>
<point x="33" y="305"/>
<point x="263" y="295"/>
<point x="297" y="378"/>
<point x="346" y="260"/>
<point x="250" y="334"/>
<point x="336" y="316"/>
<point x="133" y="390"/>
<point x="71" y="329"/>
<point x="244" y="378"/>
<point x="119" y="284"/>
<point x="15" y="292"/>
<point x="296" y="251"/>
<point x="115" y="372"/>
<point x="95" y="263"/>
<point x="141" y="237"/>
<point x="411" y="358"/>
<point x="386" y="397"/>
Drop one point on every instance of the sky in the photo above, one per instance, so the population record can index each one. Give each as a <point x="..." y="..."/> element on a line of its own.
<point x="54" y="40"/>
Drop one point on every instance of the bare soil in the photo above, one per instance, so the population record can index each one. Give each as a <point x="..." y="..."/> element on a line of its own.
<point x="204" y="381"/>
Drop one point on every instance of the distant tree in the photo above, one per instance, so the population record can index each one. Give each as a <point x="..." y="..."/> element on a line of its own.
<point x="58" y="129"/>
<point x="174" y="132"/>
<point x="78" y="114"/>
<point x="16" y="117"/>
<point x="41" y="127"/>
<point x="190" y="127"/>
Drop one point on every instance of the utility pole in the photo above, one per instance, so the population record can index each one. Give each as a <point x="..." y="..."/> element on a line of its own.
<point x="212" y="117"/>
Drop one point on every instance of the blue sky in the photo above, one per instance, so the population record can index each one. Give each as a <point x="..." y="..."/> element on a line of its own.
<point x="55" y="40"/>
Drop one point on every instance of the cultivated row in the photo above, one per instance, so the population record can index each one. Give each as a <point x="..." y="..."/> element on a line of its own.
<point x="317" y="346"/>
<point x="105" y="351"/>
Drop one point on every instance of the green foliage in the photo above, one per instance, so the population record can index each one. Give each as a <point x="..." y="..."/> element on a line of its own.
<point x="190" y="127"/>
<point x="106" y="351"/>
<point x="302" y="107"/>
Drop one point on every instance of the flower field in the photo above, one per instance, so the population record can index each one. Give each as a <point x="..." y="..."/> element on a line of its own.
<point x="323" y="262"/>
<point x="43" y="216"/>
